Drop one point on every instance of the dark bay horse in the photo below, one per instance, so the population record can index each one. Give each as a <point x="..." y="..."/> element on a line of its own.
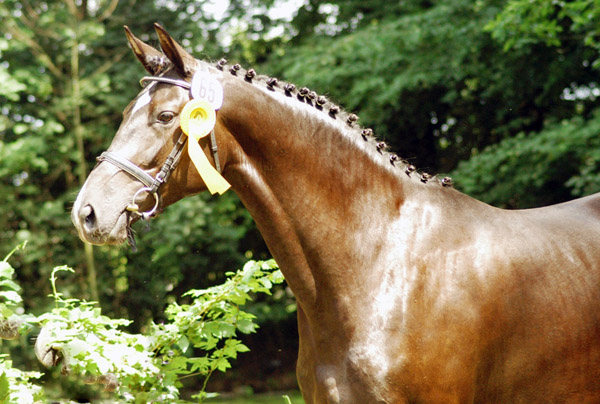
<point x="408" y="291"/>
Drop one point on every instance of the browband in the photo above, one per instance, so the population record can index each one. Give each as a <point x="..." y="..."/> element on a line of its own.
<point x="180" y="83"/>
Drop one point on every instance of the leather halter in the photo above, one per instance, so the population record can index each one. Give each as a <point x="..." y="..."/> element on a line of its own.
<point x="152" y="184"/>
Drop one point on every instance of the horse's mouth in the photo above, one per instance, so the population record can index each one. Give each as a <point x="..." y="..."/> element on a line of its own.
<point x="118" y="234"/>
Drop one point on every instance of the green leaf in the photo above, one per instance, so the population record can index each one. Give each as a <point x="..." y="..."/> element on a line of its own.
<point x="183" y="343"/>
<point x="242" y="348"/>
<point x="246" y="326"/>
<point x="8" y="283"/>
<point x="211" y="395"/>
<point x="6" y="270"/>
<point x="11" y="296"/>
<point x="222" y="364"/>
<point x="3" y="386"/>
<point x="249" y="269"/>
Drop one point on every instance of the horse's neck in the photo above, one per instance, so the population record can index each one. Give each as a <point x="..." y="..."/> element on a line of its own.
<point x="322" y="203"/>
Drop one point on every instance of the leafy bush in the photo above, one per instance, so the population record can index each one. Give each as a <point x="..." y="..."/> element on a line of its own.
<point x="535" y="169"/>
<point x="198" y="338"/>
<point x="16" y="386"/>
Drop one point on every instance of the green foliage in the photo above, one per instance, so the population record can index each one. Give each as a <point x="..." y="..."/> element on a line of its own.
<point x="536" y="169"/>
<point x="507" y="86"/>
<point x="9" y="289"/>
<point x="194" y="242"/>
<point x="197" y="339"/>
<point x="61" y="65"/>
<point x="211" y="322"/>
<point x="16" y="386"/>
<point x="434" y="84"/>
<point x="269" y="398"/>
<point x="553" y="23"/>
<point x="12" y="317"/>
<point x="523" y="22"/>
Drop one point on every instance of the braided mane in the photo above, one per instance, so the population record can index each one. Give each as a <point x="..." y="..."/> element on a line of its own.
<point x="321" y="103"/>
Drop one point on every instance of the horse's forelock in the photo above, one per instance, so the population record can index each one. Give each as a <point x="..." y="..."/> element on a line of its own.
<point x="159" y="64"/>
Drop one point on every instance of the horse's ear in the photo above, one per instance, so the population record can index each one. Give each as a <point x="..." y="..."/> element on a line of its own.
<point x="184" y="62"/>
<point x="150" y="57"/>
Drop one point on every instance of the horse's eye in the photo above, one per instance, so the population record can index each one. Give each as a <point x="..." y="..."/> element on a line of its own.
<point x="166" y="116"/>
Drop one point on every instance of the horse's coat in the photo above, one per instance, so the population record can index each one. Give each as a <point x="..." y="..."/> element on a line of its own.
<point x="408" y="291"/>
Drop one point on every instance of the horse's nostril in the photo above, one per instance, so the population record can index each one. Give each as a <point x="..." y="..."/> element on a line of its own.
<point x="88" y="216"/>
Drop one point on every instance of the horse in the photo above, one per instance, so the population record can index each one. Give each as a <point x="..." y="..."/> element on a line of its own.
<point x="408" y="291"/>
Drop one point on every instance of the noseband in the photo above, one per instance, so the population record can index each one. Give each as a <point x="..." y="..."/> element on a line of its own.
<point x="152" y="184"/>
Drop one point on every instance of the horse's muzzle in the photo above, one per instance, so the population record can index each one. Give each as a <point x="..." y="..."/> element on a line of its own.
<point x="92" y="231"/>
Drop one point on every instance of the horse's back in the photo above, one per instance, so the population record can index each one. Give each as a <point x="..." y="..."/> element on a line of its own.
<point x="586" y="209"/>
<point x="549" y="343"/>
<point x="508" y="308"/>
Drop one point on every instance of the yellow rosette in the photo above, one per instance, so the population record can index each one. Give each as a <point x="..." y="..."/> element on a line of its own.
<point x="197" y="120"/>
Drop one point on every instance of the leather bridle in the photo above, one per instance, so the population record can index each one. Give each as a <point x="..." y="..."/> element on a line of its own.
<point x="152" y="184"/>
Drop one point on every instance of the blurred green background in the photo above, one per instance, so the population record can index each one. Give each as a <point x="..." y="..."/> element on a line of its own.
<point x="501" y="95"/>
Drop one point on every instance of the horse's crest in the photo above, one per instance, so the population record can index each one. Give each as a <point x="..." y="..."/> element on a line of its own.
<point x="334" y="111"/>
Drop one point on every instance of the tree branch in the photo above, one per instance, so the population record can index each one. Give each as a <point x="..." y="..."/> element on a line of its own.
<point x="36" y="49"/>
<point x="103" y="68"/>
<point x="32" y="21"/>
<point x="73" y="9"/>
<point x="109" y="10"/>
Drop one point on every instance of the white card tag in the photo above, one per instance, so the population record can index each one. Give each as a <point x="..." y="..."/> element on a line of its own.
<point x="206" y="87"/>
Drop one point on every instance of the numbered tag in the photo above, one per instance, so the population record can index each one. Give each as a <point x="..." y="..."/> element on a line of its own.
<point x="206" y="87"/>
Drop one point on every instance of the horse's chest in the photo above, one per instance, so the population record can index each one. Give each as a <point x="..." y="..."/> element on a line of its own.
<point x="356" y="378"/>
<point x="351" y="360"/>
<point x="358" y="373"/>
<point x="380" y="361"/>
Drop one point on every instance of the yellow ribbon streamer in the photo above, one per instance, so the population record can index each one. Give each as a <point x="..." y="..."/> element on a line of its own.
<point x="197" y="120"/>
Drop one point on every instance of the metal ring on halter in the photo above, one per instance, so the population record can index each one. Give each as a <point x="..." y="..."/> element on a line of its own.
<point x="133" y="207"/>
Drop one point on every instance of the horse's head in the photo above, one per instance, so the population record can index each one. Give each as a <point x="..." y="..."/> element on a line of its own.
<point x="130" y="181"/>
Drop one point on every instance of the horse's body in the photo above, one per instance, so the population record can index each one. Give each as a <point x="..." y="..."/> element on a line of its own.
<point x="407" y="291"/>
